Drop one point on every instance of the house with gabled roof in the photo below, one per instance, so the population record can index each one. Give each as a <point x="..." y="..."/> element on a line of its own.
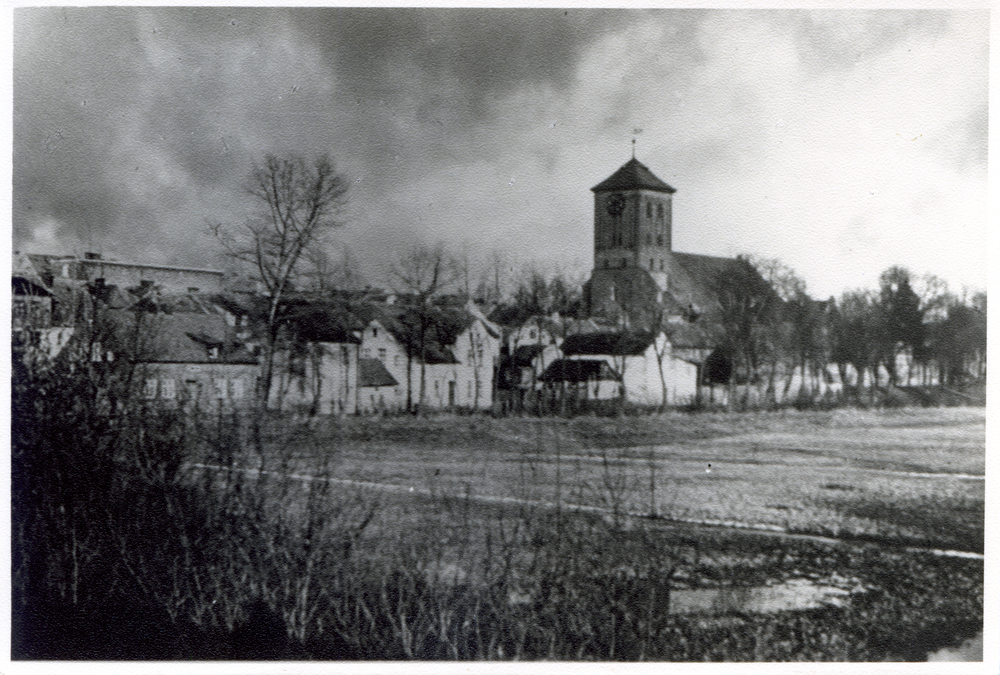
<point x="187" y="356"/>
<point x="454" y="350"/>
<point x="648" y="372"/>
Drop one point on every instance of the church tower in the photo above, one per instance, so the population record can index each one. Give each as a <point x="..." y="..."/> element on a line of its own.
<point x="632" y="222"/>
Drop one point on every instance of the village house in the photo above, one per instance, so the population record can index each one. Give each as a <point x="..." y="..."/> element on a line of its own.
<point x="368" y="354"/>
<point x="40" y="322"/>
<point x="187" y="357"/>
<point x="454" y="350"/>
<point x="648" y="372"/>
<point x="317" y="361"/>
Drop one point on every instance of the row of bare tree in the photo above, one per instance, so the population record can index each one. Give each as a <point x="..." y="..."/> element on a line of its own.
<point x="910" y="331"/>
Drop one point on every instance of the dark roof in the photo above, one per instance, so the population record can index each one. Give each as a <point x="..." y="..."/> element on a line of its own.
<point x="701" y="276"/>
<point x="614" y="344"/>
<point x="571" y="370"/>
<point x="696" y="335"/>
<point x="171" y="303"/>
<point x="524" y="355"/>
<point x="703" y="269"/>
<point x="633" y="175"/>
<point x="26" y="286"/>
<point x="187" y="337"/>
<point x="372" y="373"/>
<point x="322" y="323"/>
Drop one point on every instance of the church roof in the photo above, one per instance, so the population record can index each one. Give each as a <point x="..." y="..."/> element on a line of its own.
<point x="703" y="273"/>
<point x="633" y="175"/>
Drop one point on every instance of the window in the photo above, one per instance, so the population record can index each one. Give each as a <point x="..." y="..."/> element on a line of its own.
<point x="345" y="355"/>
<point x="382" y="354"/>
<point x="149" y="391"/>
<point x="374" y="331"/>
<point x="167" y="389"/>
<point x="649" y="209"/>
<point x="531" y="334"/>
<point x="661" y="264"/>
<point x="437" y="387"/>
<point x="659" y="240"/>
<point x="659" y="210"/>
<point x="649" y="239"/>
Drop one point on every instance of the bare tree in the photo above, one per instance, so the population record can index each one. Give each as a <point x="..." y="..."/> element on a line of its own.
<point x="423" y="272"/>
<point x="300" y="203"/>
<point x="326" y="273"/>
<point x="494" y="278"/>
<point x="748" y="316"/>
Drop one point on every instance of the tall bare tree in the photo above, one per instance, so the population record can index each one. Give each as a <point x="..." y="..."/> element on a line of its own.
<point x="300" y="203"/>
<point x="424" y="272"/>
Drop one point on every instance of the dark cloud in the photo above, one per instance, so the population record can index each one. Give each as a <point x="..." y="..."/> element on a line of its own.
<point x="463" y="57"/>
<point x="123" y="114"/>
<point x="133" y="126"/>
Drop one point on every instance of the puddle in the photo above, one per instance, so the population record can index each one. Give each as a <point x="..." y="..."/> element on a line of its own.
<point x="794" y="594"/>
<point x="970" y="650"/>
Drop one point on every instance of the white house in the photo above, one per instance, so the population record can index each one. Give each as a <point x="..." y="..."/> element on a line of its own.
<point x="456" y="361"/>
<point x="645" y="364"/>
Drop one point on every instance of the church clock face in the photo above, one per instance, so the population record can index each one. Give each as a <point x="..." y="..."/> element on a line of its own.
<point x="616" y="204"/>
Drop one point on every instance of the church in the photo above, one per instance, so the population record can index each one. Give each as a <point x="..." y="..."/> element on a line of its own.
<point x="638" y="278"/>
<point x="659" y="314"/>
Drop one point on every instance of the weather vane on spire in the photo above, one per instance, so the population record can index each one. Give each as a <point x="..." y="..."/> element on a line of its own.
<point x="635" y="132"/>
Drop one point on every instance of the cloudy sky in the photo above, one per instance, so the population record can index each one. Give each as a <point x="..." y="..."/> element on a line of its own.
<point x="838" y="142"/>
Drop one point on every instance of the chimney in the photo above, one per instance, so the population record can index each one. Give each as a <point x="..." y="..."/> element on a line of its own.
<point x="90" y="255"/>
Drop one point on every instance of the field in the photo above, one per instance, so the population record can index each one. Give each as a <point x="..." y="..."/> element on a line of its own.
<point x="911" y="476"/>
<point x="840" y="535"/>
<point x="784" y="536"/>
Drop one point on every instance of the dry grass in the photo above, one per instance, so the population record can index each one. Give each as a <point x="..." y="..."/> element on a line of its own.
<point x="904" y="475"/>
